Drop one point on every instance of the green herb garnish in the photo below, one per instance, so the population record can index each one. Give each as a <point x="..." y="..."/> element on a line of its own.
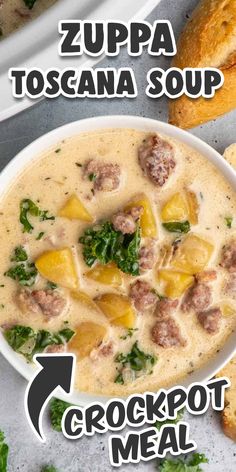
<point x="51" y="285"/>
<point x="23" y="271"/>
<point x="229" y="221"/>
<point x="179" y="465"/>
<point x="44" y="216"/>
<point x="40" y="235"/>
<point x="58" y="150"/>
<point x="19" y="255"/>
<point x="136" y="360"/>
<point x="27" y="206"/>
<point x="129" y="334"/>
<point x="92" y="177"/>
<point x="104" y="244"/>
<point x="177" y="226"/>
<point x="18" y="336"/>
<point x="4" y="450"/>
<point x="25" y="274"/>
<point x="49" y="468"/>
<point x="56" y="410"/>
<point x="45" y="338"/>
<point x="29" y="3"/>
<point x="28" y="342"/>
<point x="119" y="379"/>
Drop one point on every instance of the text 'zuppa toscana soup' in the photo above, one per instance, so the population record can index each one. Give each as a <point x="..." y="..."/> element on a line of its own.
<point x="115" y="245"/>
<point x="16" y="13"/>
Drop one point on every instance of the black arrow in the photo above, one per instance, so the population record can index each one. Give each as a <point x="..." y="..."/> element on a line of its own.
<point x="56" y="371"/>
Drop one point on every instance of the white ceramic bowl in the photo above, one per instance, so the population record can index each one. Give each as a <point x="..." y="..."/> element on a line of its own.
<point x="32" y="152"/>
<point x="36" y="44"/>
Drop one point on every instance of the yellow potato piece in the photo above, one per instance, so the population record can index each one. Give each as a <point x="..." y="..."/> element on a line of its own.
<point x="193" y="207"/>
<point x="176" y="209"/>
<point x="126" y="321"/>
<point x="74" y="209"/>
<point x="108" y="274"/>
<point x="181" y="206"/>
<point x="175" y="283"/>
<point x="193" y="254"/>
<point x="88" y="336"/>
<point x="85" y="299"/>
<point x="227" y="309"/>
<point x="58" y="266"/>
<point x="147" y="221"/>
<point x="118" y="309"/>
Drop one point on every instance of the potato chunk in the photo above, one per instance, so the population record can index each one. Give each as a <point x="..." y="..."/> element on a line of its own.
<point x="193" y="254"/>
<point x="181" y="206"/>
<point x="193" y="207"/>
<point x="227" y="309"/>
<point x="118" y="309"/>
<point x="147" y="220"/>
<point x="175" y="283"/>
<point x="74" y="209"/>
<point x="59" y="267"/>
<point x="108" y="274"/>
<point x="88" y="336"/>
<point x="176" y="209"/>
<point x="84" y="298"/>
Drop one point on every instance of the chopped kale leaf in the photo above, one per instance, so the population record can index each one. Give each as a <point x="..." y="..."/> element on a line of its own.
<point x="4" y="450"/>
<point x="135" y="360"/>
<point x="104" y="244"/>
<point x="49" y="468"/>
<point x="56" y="410"/>
<point x="27" y="206"/>
<point x="19" y="255"/>
<point x="177" y="226"/>
<point x="18" y="336"/>
<point x="28" y="342"/>
<point x="119" y="379"/>
<point x="179" y="465"/>
<point x="25" y="274"/>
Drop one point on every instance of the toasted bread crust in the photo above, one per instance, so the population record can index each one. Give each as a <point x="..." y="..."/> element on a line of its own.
<point x="208" y="40"/>
<point x="228" y="418"/>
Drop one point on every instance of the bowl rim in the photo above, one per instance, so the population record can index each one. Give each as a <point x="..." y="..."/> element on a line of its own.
<point x="34" y="150"/>
<point x="30" y="37"/>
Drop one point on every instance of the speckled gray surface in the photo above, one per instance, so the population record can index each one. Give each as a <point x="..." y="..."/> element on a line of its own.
<point x="91" y="454"/>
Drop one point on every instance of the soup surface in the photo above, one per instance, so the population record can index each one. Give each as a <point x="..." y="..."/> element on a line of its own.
<point x="119" y="246"/>
<point x="16" y="13"/>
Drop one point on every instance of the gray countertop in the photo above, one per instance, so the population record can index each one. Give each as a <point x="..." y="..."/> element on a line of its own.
<point x="91" y="454"/>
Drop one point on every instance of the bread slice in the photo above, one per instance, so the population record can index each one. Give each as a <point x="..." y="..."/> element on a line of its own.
<point x="228" y="417"/>
<point x="208" y="40"/>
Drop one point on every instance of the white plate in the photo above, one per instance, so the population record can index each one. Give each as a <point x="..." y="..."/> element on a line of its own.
<point x="36" y="44"/>
<point x="32" y="152"/>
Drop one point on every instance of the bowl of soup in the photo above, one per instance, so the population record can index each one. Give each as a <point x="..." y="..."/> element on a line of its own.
<point x="119" y="245"/>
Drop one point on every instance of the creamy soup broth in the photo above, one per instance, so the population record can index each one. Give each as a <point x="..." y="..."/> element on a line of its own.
<point x="49" y="182"/>
<point x="15" y="13"/>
